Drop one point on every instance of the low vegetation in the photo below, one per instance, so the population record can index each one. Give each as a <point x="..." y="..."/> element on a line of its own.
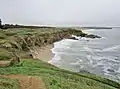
<point x="6" y="83"/>
<point x="55" y="78"/>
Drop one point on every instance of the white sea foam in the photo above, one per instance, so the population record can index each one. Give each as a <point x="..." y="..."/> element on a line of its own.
<point x="89" y="54"/>
<point x="113" y="48"/>
<point x="77" y="62"/>
<point x="63" y="43"/>
<point x="88" y="49"/>
<point x="118" y="70"/>
<point x="76" y="37"/>
<point x="55" y="60"/>
<point x="90" y="59"/>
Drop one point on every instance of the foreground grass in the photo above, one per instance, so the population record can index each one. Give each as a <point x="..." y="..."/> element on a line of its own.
<point x="6" y="83"/>
<point x="55" y="78"/>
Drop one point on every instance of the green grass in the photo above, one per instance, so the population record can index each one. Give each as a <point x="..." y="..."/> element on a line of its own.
<point x="6" y="83"/>
<point x="55" y="78"/>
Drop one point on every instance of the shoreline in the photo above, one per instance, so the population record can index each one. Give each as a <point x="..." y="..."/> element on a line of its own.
<point x="44" y="53"/>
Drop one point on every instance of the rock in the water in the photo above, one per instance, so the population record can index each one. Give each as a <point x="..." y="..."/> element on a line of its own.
<point x="92" y="36"/>
<point x="73" y="38"/>
<point x="116" y="59"/>
<point x="110" y="70"/>
<point x="87" y="36"/>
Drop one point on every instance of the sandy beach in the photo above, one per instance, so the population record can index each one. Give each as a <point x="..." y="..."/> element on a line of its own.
<point x="44" y="53"/>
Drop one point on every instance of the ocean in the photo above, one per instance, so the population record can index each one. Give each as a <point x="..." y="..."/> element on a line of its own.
<point x="97" y="56"/>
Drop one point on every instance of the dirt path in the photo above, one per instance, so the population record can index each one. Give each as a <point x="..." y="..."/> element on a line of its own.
<point x="28" y="82"/>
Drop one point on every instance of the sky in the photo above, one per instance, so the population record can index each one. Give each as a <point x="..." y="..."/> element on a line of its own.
<point x="61" y="12"/>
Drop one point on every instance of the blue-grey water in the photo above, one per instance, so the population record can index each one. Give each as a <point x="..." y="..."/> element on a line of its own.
<point x="98" y="56"/>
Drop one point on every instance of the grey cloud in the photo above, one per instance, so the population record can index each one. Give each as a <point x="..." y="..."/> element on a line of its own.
<point x="61" y="12"/>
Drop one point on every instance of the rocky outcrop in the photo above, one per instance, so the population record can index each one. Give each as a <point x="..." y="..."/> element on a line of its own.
<point x="73" y="38"/>
<point x="86" y="35"/>
<point x="92" y="36"/>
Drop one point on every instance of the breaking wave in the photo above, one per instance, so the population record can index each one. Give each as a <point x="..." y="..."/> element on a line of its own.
<point x="98" y="56"/>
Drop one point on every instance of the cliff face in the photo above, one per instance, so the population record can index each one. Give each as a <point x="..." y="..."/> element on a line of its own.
<point x="34" y="42"/>
<point x="26" y="41"/>
<point x="16" y="41"/>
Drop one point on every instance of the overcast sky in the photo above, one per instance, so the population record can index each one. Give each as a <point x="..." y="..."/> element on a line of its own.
<point x="61" y="12"/>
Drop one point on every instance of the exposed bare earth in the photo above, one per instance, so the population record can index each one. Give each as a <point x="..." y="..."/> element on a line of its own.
<point x="28" y="82"/>
<point x="4" y="63"/>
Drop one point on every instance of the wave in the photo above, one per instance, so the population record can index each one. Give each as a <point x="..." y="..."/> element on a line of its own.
<point x="63" y="43"/>
<point x="77" y="37"/>
<point x="92" y="55"/>
<point x="55" y="59"/>
<point x="113" y="48"/>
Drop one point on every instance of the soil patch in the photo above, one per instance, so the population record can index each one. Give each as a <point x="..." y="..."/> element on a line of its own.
<point x="28" y="82"/>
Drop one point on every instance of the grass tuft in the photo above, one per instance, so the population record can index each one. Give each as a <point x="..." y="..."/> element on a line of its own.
<point x="6" y="83"/>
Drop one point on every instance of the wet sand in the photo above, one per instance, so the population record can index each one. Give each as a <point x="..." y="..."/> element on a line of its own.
<point x="46" y="53"/>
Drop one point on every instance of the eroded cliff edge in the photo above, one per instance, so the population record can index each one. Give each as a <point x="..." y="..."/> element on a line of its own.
<point x="23" y="42"/>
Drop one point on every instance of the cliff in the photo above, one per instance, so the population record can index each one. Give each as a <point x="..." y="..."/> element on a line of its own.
<point x="23" y="40"/>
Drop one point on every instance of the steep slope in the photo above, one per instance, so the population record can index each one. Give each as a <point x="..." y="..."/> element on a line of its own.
<point x="55" y="78"/>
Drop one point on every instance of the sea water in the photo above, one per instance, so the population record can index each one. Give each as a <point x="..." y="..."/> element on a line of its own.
<point x="97" y="56"/>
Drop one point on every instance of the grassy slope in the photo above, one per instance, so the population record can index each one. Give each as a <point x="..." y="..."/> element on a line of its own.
<point x="56" y="78"/>
<point x="6" y="83"/>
